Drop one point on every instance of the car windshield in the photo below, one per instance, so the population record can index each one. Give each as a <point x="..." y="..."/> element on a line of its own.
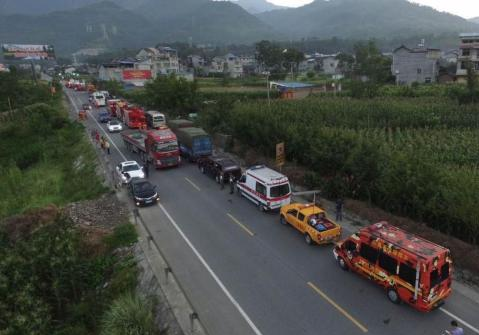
<point x="279" y="191"/>
<point x="165" y="147"/>
<point x="131" y="167"/>
<point x="114" y="123"/>
<point x="143" y="187"/>
<point x="158" y="118"/>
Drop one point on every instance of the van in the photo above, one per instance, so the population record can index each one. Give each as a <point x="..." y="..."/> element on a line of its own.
<point x="265" y="187"/>
<point x="410" y="268"/>
<point x="99" y="100"/>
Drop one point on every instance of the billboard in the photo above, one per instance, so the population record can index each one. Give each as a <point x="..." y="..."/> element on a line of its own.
<point x="28" y="52"/>
<point x="136" y="74"/>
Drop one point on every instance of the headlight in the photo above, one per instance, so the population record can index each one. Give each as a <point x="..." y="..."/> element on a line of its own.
<point x="123" y="177"/>
<point x="142" y="175"/>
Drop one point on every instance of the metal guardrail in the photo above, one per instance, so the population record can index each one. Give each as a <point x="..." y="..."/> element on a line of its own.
<point x="168" y="270"/>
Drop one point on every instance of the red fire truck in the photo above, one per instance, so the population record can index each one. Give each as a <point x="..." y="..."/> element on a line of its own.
<point x="410" y="268"/>
<point x="158" y="146"/>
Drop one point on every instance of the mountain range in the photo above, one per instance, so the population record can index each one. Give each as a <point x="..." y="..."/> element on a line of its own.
<point x="125" y="23"/>
<point x="257" y="6"/>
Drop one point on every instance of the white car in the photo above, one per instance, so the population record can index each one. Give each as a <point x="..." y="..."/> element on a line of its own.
<point x="128" y="170"/>
<point x="114" y="125"/>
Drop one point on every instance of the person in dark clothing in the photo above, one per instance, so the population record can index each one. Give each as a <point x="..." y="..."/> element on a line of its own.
<point x="339" y="209"/>
<point x="232" y="184"/>
<point x="146" y="169"/>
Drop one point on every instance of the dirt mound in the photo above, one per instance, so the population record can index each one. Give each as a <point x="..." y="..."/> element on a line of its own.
<point x="105" y="212"/>
<point x="23" y="225"/>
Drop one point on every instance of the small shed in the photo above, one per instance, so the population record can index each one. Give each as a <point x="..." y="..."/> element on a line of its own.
<point x="292" y="90"/>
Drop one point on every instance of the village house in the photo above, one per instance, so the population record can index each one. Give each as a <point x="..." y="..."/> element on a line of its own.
<point x="419" y="65"/>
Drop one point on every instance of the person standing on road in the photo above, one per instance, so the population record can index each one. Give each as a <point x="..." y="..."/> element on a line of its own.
<point x="102" y="142"/>
<point x="146" y="169"/>
<point x="232" y="184"/>
<point x="339" y="209"/>
<point x="107" y="146"/>
<point x="456" y="330"/>
<point x="97" y="137"/>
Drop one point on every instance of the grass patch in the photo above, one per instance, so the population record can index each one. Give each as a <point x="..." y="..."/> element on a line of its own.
<point x="123" y="235"/>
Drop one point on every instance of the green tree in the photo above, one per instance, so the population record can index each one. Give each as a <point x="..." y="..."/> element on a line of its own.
<point x="370" y="63"/>
<point x="176" y="95"/>
<point x="346" y="64"/>
<point x="268" y="54"/>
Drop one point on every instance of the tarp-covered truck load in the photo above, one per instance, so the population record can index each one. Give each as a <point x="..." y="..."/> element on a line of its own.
<point x="194" y="142"/>
<point x="180" y="123"/>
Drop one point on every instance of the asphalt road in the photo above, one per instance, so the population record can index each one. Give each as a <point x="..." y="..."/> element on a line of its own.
<point x="247" y="274"/>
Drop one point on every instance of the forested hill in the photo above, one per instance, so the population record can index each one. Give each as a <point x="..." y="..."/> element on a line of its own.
<point x="365" y="19"/>
<point x="107" y="24"/>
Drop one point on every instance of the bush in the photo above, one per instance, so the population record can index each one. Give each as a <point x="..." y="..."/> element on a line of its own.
<point x="129" y="315"/>
<point x="123" y="235"/>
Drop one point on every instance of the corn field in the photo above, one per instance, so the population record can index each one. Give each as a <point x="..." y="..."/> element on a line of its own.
<point x="416" y="157"/>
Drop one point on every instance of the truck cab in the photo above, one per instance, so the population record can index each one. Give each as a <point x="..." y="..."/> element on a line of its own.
<point x="312" y="222"/>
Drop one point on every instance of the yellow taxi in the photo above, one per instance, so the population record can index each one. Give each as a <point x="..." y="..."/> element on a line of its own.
<point x="312" y="222"/>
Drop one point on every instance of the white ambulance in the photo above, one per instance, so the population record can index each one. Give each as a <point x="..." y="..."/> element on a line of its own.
<point x="265" y="187"/>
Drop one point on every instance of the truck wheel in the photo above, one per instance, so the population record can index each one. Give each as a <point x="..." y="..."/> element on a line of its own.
<point x="283" y="221"/>
<point x="393" y="296"/>
<point x="218" y="179"/>
<point x="261" y="207"/>
<point x="342" y="264"/>
<point x="308" y="239"/>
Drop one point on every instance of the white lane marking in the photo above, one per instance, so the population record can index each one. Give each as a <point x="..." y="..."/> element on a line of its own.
<point x="192" y="184"/>
<point x="458" y="319"/>
<point x="99" y="126"/>
<point x="215" y="277"/>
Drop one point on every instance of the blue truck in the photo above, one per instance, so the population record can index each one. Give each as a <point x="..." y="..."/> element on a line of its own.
<point x="194" y="143"/>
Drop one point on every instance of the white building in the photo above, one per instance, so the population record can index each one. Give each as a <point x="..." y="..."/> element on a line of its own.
<point x="233" y="66"/>
<point x="162" y="60"/>
<point x="469" y="53"/>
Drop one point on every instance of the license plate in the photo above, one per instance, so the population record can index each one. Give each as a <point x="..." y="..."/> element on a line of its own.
<point x="148" y="201"/>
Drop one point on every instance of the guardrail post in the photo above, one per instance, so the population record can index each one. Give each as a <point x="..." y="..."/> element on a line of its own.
<point x="136" y="213"/>
<point x="167" y="271"/>
<point x="193" y="317"/>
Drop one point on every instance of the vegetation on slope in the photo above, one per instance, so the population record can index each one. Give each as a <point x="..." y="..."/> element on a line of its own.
<point x="44" y="157"/>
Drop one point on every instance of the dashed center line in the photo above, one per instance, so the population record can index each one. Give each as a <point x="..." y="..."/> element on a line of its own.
<point x="339" y="308"/>
<point x="246" y="229"/>
<point x="192" y="184"/>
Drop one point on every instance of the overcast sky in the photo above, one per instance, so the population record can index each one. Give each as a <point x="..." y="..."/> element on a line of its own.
<point x="464" y="8"/>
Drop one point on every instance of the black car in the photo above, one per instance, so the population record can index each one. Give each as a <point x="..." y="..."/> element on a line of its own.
<point x="219" y="167"/>
<point x="142" y="192"/>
